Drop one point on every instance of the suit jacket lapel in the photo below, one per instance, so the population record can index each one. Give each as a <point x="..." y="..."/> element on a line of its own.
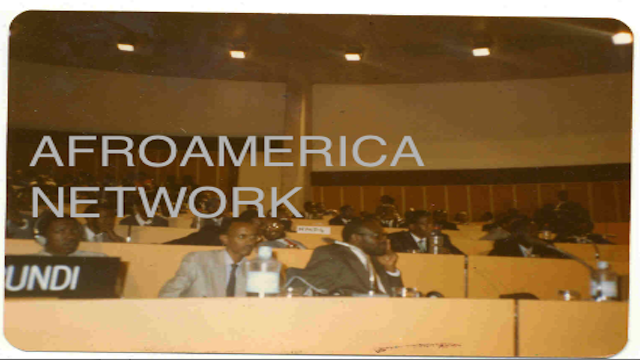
<point x="516" y="251"/>
<point x="382" y="274"/>
<point x="356" y="266"/>
<point x="219" y="271"/>
<point x="409" y="243"/>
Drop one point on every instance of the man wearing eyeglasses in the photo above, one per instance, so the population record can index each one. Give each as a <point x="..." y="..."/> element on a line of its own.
<point x="273" y="232"/>
<point x="216" y="273"/>
<point x="362" y="263"/>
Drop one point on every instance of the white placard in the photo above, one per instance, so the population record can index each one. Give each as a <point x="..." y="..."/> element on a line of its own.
<point x="323" y="230"/>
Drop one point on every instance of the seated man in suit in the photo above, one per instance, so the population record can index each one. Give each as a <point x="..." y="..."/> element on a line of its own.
<point x="440" y="217"/>
<point x="216" y="273"/>
<point x="140" y="218"/>
<point x="416" y="238"/>
<point x="391" y="217"/>
<point x="60" y="236"/>
<point x="208" y="235"/>
<point x="273" y="232"/>
<point x="563" y="199"/>
<point x="362" y="262"/>
<point x="497" y="230"/>
<point x="310" y="211"/>
<point x="347" y="214"/>
<point x="18" y="225"/>
<point x="285" y="216"/>
<point x="462" y="218"/>
<point x="523" y="242"/>
<point x="210" y="206"/>
<point x="101" y="228"/>
<point x="574" y="226"/>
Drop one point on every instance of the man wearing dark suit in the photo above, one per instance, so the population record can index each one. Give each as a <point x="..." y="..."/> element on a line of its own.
<point x="347" y="214"/>
<point x="579" y="231"/>
<point x="363" y="262"/>
<point x="211" y="206"/>
<point x="522" y="242"/>
<point x="440" y="217"/>
<point x="416" y="238"/>
<point x="275" y="236"/>
<point x="208" y="235"/>
<point x="140" y="218"/>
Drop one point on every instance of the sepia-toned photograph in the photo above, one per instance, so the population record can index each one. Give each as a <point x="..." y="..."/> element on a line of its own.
<point x="318" y="184"/>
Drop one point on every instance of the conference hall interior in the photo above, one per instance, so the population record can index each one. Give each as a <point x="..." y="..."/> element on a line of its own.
<point x="508" y="235"/>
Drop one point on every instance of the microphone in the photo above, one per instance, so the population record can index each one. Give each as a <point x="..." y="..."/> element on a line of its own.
<point x="589" y="241"/>
<point x="129" y="234"/>
<point x="569" y="255"/>
<point x="329" y="240"/>
<point x="309" y="286"/>
<point x="434" y="294"/>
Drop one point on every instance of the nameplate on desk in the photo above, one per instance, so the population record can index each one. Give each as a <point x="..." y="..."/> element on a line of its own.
<point x="59" y="276"/>
<point x="322" y="230"/>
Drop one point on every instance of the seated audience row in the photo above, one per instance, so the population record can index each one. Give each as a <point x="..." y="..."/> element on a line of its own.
<point x="362" y="261"/>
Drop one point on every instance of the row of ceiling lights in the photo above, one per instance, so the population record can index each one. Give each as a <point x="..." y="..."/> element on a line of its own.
<point x="621" y="38"/>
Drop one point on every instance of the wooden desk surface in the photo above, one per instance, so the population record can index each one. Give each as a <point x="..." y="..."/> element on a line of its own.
<point x="350" y="326"/>
<point x="571" y="329"/>
<point x="492" y="276"/>
<point x="151" y="266"/>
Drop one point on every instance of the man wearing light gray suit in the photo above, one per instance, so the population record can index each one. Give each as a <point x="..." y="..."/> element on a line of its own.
<point x="216" y="273"/>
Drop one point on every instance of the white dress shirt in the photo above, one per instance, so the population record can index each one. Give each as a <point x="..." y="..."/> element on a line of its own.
<point x="92" y="236"/>
<point x="366" y="260"/>
<point x="142" y="222"/>
<point x="422" y="243"/>
<point x="527" y="252"/>
<point x="228" y="262"/>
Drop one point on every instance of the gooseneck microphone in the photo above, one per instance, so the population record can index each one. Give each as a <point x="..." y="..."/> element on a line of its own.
<point x="308" y="284"/>
<point x="595" y="247"/>
<point x="129" y="234"/>
<point x="569" y="255"/>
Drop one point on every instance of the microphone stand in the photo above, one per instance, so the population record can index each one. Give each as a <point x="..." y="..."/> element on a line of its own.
<point x="569" y="255"/>
<point x="595" y="247"/>
<point x="309" y="286"/>
<point x="129" y="234"/>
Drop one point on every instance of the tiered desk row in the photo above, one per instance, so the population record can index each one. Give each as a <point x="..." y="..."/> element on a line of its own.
<point x="471" y="320"/>
<point x="462" y="327"/>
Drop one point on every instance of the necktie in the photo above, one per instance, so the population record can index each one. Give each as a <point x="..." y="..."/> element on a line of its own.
<point x="231" y="286"/>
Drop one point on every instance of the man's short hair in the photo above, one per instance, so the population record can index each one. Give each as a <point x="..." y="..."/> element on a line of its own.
<point x="520" y="226"/>
<point x="386" y="199"/>
<point x="225" y="229"/>
<point x="345" y="208"/>
<point x="47" y="218"/>
<point x="354" y="227"/>
<point x="248" y="215"/>
<point x="412" y="217"/>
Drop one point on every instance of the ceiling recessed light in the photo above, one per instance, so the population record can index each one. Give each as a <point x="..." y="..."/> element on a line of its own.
<point x="622" y="38"/>
<point x="237" y="54"/>
<point x="125" y="47"/>
<point x="352" y="57"/>
<point x="481" y="52"/>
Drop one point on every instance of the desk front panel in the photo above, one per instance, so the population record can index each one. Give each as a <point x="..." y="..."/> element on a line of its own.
<point x="347" y="326"/>
<point x="571" y="329"/>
